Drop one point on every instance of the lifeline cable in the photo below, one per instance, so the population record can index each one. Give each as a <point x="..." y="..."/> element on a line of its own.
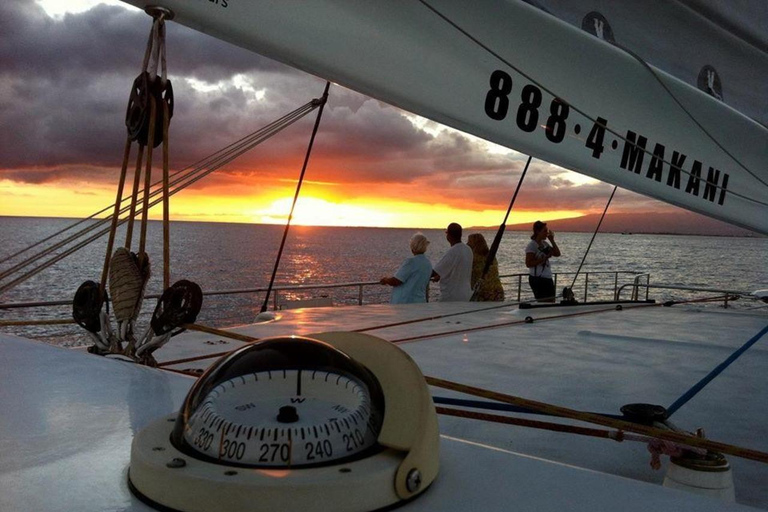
<point x="714" y="373"/>
<point x="323" y="101"/>
<point x="593" y="237"/>
<point x="499" y="234"/>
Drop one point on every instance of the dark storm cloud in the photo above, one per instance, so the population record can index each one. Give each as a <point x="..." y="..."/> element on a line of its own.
<point x="64" y="84"/>
<point x="108" y="39"/>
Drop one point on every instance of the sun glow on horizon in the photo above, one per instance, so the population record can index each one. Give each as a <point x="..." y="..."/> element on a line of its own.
<point x="77" y="200"/>
<point x="312" y="211"/>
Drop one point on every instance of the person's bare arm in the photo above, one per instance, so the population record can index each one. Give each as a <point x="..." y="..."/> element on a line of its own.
<point x="391" y="281"/>
<point x="435" y="277"/>
<point x="555" y="248"/>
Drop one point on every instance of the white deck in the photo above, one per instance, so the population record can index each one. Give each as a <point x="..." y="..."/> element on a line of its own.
<point x="594" y="362"/>
<point x="70" y="417"/>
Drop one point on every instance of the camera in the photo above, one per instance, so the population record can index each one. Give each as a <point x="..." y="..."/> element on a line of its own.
<point x="546" y="249"/>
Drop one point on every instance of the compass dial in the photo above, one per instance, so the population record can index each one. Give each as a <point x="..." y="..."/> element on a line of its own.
<point x="282" y="403"/>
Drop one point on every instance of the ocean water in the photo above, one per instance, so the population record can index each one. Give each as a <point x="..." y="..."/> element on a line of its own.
<point x="241" y="256"/>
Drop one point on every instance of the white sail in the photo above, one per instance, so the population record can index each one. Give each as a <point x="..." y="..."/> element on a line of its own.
<point x="513" y="74"/>
<point x="719" y="47"/>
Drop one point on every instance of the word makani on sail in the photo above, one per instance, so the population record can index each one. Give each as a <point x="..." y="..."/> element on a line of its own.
<point x="520" y="76"/>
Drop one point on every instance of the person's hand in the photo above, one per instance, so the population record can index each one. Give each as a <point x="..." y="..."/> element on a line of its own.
<point x="551" y="236"/>
<point x="383" y="280"/>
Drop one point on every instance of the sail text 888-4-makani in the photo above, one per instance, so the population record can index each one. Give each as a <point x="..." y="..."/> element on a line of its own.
<point x="528" y="115"/>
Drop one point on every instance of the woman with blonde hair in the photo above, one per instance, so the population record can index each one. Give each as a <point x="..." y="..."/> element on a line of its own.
<point x="412" y="278"/>
<point x="490" y="289"/>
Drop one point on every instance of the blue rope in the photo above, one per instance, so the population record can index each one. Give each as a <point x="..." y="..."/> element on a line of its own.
<point x="714" y="373"/>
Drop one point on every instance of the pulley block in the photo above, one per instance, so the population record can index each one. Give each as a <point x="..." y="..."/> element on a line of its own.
<point x="178" y="305"/>
<point x="86" y="306"/>
<point x="138" y="112"/>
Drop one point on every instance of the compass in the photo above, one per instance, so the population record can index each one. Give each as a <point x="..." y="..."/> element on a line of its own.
<point x="284" y="421"/>
<point x="299" y="403"/>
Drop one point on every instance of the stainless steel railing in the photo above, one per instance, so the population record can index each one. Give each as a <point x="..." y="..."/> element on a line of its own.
<point x="727" y="294"/>
<point x="637" y="277"/>
<point x="275" y="290"/>
<point x="281" y="291"/>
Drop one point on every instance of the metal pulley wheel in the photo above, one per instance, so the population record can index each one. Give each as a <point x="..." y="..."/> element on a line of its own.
<point x="137" y="114"/>
<point x="86" y="306"/>
<point x="178" y="305"/>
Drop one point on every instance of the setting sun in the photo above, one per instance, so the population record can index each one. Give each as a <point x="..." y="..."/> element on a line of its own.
<point x="312" y="211"/>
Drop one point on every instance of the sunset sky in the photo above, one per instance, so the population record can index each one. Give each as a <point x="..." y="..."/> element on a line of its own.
<point x="65" y="76"/>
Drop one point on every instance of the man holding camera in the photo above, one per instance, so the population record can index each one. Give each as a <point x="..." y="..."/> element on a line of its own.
<point x="537" y="255"/>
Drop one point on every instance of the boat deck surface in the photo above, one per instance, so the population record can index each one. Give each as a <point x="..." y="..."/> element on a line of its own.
<point x="75" y="414"/>
<point x="590" y="358"/>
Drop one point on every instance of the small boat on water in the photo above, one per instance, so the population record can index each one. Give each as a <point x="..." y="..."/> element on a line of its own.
<point x="98" y="432"/>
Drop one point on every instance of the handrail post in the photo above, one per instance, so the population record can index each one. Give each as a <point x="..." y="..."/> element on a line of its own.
<point x="725" y="302"/>
<point x="519" y="286"/>
<point x="360" y="296"/>
<point x="647" y="282"/>
<point x="615" y="285"/>
<point x="586" y="285"/>
<point x="274" y="297"/>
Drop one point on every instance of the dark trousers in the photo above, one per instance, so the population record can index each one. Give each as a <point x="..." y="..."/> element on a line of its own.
<point x="543" y="288"/>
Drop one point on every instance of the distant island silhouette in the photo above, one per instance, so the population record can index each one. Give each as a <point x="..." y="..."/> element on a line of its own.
<point x="677" y="223"/>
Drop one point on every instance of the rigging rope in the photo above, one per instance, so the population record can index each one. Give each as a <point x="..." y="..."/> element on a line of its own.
<point x="147" y="177"/>
<point x="563" y="412"/>
<point x="113" y="228"/>
<point x="593" y="238"/>
<point x="54" y="235"/>
<point x="199" y="170"/>
<point x="497" y="406"/>
<point x="322" y="101"/>
<point x="542" y="425"/>
<point x="610" y="130"/>
<point x="714" y="373"/>
<point x="622" y="425"/>
<point x="134" y="197"/>
<point x="249" y="339"/>
<point x="166" y="197"/>
<point x="499" y="234"/>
